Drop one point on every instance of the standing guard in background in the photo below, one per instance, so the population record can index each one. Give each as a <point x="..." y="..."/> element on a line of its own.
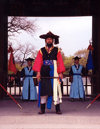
<point x="29" y="91"/>
<point x="77" y="88"/>
<point x="49" y="63"/>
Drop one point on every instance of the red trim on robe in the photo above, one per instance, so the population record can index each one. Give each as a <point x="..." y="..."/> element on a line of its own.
<point x="60" y="64"/>
<point x="38" y="62"/>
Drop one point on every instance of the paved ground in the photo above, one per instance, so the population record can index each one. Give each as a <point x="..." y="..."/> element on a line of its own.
<point x="75" y="116"/>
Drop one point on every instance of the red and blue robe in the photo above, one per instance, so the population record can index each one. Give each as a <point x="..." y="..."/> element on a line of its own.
<point x="49" y="64"/>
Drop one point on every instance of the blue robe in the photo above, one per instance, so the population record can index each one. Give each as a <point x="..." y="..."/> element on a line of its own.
<point x="77" y="88"/>
<point x="50" y="98"/>
<point x="29" y="91"/>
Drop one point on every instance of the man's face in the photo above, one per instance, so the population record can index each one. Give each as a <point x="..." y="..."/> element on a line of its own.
<point x="49" y="40"/>
<point x="29" y="63"/>
<point x="76" y="61"/>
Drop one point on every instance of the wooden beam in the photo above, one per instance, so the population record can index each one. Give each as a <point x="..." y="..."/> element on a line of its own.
<point x="3" y="47"/>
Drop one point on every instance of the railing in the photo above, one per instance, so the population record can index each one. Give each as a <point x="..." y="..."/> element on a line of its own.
<point x="87" y="82"/>
<point x="14" y="85"/>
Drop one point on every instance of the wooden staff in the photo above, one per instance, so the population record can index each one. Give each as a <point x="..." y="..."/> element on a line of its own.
<point x="93" y="101"/>
<point x="11" y="97"/>
<point x="48" y="77"/>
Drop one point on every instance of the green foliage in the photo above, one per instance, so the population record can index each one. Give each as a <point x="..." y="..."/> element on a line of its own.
<point x="68" y="61"/>
<point x="18" y="67"/>
<point x="82" y="53"/>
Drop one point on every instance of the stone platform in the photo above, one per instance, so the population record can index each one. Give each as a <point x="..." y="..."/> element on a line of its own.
<point x="75" y="115"/>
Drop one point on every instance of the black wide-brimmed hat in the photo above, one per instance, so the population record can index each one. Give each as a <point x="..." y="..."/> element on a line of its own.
<point x="50" y="35"/>
<point x="29" y="59"/>
<point x="76" y="58"/>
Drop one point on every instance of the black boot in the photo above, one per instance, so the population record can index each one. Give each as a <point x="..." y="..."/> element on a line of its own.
<point x="42" y="109"/>
<point x="58" y="111"/>
<point x="72" y="99"/>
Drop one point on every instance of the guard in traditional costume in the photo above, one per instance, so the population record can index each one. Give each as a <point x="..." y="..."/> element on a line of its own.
<point x="48" y="64"/>
<point x="77" y="88"/>
<point x="29" y="91"/>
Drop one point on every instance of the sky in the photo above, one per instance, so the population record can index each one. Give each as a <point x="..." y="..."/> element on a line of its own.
<point x="74" y="32"/>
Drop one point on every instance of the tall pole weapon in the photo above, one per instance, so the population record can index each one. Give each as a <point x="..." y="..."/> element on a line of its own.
<point x="93" y="101"/>
<point x="11" y="97"/>
<point x="14" y="99"/>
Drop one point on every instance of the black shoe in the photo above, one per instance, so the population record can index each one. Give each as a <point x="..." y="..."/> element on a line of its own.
<point x="41" y="112"/>
<point x="58" y="111"/>
<point x="42" y="109"/>
<point x="82" y="99"/>
<point x="72" y="99"/>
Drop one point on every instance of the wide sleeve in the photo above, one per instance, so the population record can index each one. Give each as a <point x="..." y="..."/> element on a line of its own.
<point x="22" y="73"/>
<point x="84" y="71"/>
<point x="60" y="63"/>
<point x="38" y="62"/>
<point x="34" y="74"/>
<point x="71" y="72"/>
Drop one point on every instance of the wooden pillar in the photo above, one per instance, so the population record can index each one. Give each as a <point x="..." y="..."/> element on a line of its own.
<point x="3" y="46"/>
<point x="96" y="54"/>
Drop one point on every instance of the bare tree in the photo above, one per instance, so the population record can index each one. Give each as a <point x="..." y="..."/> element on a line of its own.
<point x="24" y="51"/>
<point x="18" y="24"/>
